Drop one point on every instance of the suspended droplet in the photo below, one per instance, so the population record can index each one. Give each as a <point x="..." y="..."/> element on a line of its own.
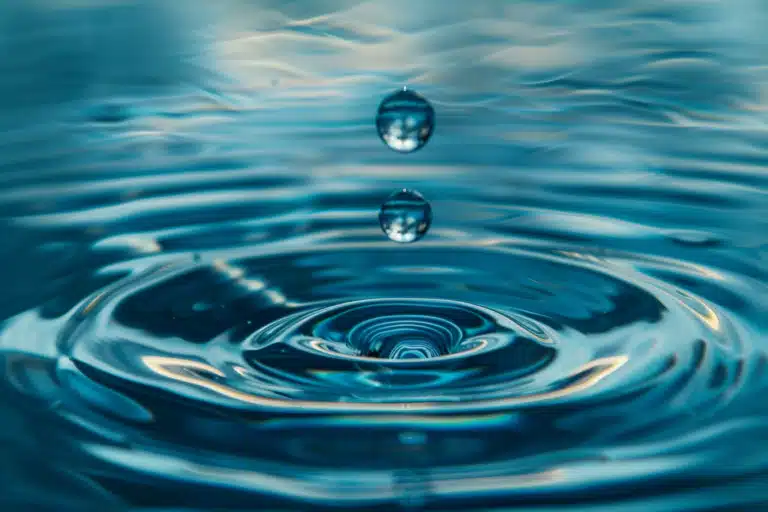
<point x="405" y="216"/>
<point x="405" y="121"/>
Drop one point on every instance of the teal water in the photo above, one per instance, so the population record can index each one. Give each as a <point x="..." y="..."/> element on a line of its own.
<point x="200" y="309"/>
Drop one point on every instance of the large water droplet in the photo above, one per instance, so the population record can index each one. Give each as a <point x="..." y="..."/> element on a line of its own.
<point x="405" y="121"/>
<point x="405" y="216"/>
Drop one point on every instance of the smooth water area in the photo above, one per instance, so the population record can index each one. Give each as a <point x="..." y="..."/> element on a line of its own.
<point x="202" y="308"/>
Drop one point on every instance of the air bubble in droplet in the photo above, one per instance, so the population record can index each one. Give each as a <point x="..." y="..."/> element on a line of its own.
<point x="405" y="216"/>
<point x="405" y="121"/>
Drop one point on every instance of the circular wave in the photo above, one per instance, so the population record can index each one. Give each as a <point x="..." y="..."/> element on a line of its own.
<point x="200" y="309"/>
<point x="232" y="361"/>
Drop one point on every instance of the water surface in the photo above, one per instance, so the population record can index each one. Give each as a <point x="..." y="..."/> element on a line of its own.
<point x="200" y="310"/>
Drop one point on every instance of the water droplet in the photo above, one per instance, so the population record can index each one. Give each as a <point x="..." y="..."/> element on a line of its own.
<point x="405" y="216"/>
<point x="405" y="121"/>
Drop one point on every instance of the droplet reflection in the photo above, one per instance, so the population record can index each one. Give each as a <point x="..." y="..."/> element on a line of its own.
<point x="405" y="121"/>
<point x="405" y="216"/>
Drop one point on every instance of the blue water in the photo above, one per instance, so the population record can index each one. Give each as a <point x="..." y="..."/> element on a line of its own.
<point x="200" y="310"/>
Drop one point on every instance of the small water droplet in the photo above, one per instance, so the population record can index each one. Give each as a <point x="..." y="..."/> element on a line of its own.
<point x="405" y="216"/>
<point x="405" y="121"/>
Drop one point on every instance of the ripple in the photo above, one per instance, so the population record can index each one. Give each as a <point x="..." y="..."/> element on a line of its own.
<point x="621" y="332"/>
<point x="491" y="369"/>
<point x="410" y="367"/>
<point x="200" y="310"/>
